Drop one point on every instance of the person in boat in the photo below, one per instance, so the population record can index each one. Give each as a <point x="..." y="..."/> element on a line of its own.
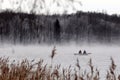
<point x="80" y="52"/>
<point x="84" y="52"/>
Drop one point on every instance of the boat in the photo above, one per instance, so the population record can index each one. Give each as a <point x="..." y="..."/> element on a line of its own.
<point x="82" y="54"/>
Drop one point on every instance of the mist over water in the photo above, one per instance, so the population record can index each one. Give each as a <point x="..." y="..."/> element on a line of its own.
<point x="100" y="56"/>
<point x="31" y="36"/>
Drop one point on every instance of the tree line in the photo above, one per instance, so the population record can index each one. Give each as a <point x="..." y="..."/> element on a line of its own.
<point x="79" y="27"/>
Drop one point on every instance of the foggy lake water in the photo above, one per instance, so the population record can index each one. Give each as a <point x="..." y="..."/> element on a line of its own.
<point x="100" y="56"/>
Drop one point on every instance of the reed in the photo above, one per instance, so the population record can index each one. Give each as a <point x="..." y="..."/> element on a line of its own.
<point x="31" y="70"/>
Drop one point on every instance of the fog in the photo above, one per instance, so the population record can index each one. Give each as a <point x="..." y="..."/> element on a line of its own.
<point x="100" y="56"/>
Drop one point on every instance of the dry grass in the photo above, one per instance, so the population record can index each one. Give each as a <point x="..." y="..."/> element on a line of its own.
<point x="29" y="70"/>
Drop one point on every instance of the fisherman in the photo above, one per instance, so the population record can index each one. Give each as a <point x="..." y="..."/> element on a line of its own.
<point x="84" y="52"/>
<point x="80" y="52"/>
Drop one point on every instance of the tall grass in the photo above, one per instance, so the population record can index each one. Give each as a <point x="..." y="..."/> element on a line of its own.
<point x="31" y="70"/>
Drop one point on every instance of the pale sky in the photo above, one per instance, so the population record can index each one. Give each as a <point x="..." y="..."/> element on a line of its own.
<point x="51" y="6"/>
<point x="110" y="6"/>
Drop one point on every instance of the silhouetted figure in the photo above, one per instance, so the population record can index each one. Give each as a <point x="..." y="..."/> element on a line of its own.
<point x="84" y="52"/>
<point x="80" y="52"/>
<point x="57" y="30"/>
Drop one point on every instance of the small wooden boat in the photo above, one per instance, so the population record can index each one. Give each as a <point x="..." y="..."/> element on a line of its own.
<point x="82" y="54"/>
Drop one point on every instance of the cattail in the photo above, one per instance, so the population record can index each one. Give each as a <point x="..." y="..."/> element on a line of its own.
<point x="113" y="66"/>
<point x="77" y="64"/>
<point x="91" y="66"/>
<point x="76" y="77"/>
<point x="119" y="77"/>
<point x="53" y="52"/>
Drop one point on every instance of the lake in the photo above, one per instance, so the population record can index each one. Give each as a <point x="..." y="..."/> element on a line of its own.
<point x="100" y="56"/>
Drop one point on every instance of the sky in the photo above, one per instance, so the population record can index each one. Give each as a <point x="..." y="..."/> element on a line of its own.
<point x="108" y="6"/>
<point x="63" y="6"/>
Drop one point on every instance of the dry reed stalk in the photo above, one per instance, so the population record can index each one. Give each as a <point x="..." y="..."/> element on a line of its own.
<point x="53" y="52"/>
<point x="26" y="70"/>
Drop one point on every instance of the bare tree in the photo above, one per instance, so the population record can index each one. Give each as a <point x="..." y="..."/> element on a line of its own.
<point x="19" y="7"/>
<point x="43" y="6"/>
<point x="33" y="7"/>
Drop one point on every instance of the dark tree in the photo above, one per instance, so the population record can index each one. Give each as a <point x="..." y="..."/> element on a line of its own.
<point x="57" y="30"/>
<point x="79" y="27"/>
